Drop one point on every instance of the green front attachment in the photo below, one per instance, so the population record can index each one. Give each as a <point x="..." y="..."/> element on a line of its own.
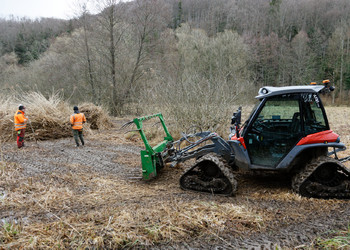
<point x="151" y="157"/>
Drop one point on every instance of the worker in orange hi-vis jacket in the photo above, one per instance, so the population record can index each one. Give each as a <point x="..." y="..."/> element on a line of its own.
<point x="20" y="124"/>
<point x="76" y="120"/>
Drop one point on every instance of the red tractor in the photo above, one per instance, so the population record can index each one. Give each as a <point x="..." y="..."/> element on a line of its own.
<point x="287" y="132"/>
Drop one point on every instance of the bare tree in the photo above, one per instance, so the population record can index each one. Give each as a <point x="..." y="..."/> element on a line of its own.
<point x="208" y="74"/>
<point x="339" y="55"/>
<point x="86" y="26"/>
<point x="83" y="49"/>
<point x="149" y="18"/>
<point x="112" y="30"/>
<point x="301" y="60"/>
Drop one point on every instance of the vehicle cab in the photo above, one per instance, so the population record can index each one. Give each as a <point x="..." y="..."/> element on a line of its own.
<point x="286" y="121"/>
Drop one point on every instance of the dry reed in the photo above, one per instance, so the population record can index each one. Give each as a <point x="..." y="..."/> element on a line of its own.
<point x="96" y="116"/>
<point x="48" y="117"/>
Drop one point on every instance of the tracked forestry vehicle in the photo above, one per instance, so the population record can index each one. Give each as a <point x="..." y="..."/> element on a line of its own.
<point x="287" y="132"/>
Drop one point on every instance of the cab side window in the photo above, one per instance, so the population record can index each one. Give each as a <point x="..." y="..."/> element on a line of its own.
<point x="313" y="117"/>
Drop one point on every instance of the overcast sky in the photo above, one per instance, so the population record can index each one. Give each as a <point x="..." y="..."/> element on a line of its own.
<point x="37" y="8"/>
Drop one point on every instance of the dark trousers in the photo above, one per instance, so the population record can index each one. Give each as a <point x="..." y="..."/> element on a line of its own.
<point x="78" y="133"/>
<point x="20" y="138"/>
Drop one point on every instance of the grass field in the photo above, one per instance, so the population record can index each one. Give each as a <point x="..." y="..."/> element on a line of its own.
<point x="53" y="195"/>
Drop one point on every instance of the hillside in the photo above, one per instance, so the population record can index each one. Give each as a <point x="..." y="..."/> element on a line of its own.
<point x="138" y="56"/>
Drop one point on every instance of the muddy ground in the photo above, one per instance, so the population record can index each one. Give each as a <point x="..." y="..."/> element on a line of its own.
<point x="55" y="195"/>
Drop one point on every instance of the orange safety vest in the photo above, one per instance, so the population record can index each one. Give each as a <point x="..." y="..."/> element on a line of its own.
<point x="77" y="120"/>
<point x="20" y="120"/>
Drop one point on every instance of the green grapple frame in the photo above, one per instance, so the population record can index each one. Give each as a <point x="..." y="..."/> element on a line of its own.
<point x="151" y="157"/>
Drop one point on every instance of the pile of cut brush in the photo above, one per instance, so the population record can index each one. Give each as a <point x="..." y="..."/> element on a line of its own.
<point x="48" y="117"/>
<point x="95" y="116"/>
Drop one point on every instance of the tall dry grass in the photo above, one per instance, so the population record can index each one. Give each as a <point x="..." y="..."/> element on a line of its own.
<point x="48" y="117"/>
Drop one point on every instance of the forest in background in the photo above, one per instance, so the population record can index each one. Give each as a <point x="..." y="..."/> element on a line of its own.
<point x="195" y="60"/>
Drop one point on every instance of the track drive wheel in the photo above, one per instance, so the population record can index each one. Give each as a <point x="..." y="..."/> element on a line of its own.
<point x="210" y="174"/>
<point x="324" y="177"/>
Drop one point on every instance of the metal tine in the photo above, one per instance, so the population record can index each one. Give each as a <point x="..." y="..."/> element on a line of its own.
<point x="127" y="124"/>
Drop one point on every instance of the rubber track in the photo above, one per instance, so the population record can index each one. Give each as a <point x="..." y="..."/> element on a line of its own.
<point x="223" y="166"/>
<point x="302" y="178"/>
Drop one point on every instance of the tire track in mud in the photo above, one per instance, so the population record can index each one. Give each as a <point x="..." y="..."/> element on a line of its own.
<point x="55" y="156"/>
<point x="296" y="234"/>
<point x="50" y="161"/>
<point x="293" y="236"/>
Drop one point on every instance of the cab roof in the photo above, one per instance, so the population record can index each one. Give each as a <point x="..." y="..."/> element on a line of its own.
<point x="273" y="91"/>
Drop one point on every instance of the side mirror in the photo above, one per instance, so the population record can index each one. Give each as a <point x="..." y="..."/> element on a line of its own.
<point x="235" y="122"/>
<point x="236" y="118"/>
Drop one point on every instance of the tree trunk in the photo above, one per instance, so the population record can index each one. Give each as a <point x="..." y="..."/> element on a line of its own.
<point x="112" y="66"/>
<point x="89" y="65"/>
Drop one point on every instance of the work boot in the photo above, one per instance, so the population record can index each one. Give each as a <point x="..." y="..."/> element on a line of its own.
<point x="77" y="145"/>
